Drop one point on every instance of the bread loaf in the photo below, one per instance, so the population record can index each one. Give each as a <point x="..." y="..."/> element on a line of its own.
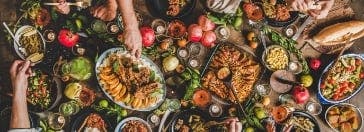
<point x="340" y="33"/>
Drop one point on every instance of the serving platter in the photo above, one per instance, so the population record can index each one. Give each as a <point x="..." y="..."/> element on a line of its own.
<point x="122" y="124"/>
<point x="146" y="62"/>
<point x="358" y="88"/>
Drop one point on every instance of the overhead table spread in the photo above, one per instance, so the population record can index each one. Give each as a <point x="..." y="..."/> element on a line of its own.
<point x="169" y="84"/>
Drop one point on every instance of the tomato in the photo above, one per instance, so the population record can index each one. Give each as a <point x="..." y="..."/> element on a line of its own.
<point x="344" y="84"/>
<point x="350" y="68"/>
<point x="351" y="85"/>
<point x="357" y="62"/>
<point x="361" y="75"/>
<point x="322" y="85"/>
<point x="331" y="81"/>
<point x="335" y="97"/>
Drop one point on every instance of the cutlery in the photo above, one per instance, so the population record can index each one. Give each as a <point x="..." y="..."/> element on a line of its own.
<point x="20" y="48"/>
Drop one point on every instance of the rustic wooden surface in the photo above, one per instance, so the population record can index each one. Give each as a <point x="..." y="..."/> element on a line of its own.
<point x="354" y="10"/>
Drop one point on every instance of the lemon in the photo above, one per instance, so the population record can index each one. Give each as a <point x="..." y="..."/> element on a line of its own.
<point x="249" y="129"/>
<point x="123" y="113"/>
<point x="306" y="80"/>
<point x="103" y="103"/>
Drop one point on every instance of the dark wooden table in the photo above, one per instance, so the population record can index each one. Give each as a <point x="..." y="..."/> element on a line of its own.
<point x="7" y="54"/>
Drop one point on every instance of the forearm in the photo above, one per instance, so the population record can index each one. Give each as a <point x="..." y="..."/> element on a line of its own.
<point x="19" y="111"/>
<point x="128" y="14"/>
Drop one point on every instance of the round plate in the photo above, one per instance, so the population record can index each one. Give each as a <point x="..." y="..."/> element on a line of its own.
<point x="272" y="22"/>
<point x="316" y="128"/>
<point x="122" y="124"/>
<point x="18" y="34"/>
<point x="330" y="101"/>
<point x="55" y="96"/>
<point x="160" y="7"/>
<point x="185" y="115"/>
<point x="349" y="105"/>
<point x="144" y="60"/>
<point x="77" y="123"/>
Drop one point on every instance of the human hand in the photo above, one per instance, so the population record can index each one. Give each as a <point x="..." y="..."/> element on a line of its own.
<point x="105" y="12"/>
<point x="234" y="124"/>
<point x="133" y="41"/>
<point x="299" y="5"/>
<point x="326" y="5"/>
<point x="62" y="8"/>
<point x="20" y="71"/>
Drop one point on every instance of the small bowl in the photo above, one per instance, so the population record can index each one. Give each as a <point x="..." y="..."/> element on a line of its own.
<point x="23" y="54"/>
<point x="265" y="63"/>
<point x="347" y="105"/>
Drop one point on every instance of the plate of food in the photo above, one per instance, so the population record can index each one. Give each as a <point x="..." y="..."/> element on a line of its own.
<point x="31" y="44"/>
<point x="275" y="58"/>
<point x="344" y="117"/>
<point x="301" y="122"/>
<point x="344" y="81"/>
<point x="133" y="84"/>
<point x="277" y="13"/>
<point x="189" y="121"/>
<point x="91" y="122"/>
<point x="133" y="124"/>
<point x="229" y="59"/>
<point x="44" y="91"/>
<point x="171" y="9"/>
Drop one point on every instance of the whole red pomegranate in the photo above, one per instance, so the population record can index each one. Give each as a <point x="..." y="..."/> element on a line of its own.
<point x="67" y="38"/>
<point x="194" y="33"/>
<point x="148" y="36"/>
<point x="208" y="39"/>
<point x="205" y="23"/>
<point x="315" y="64"/>
<point x="300" y="94"/>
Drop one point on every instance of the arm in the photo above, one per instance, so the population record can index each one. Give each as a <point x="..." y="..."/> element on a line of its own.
<point x="132" y="36"/>
<point x="19" y="73"/>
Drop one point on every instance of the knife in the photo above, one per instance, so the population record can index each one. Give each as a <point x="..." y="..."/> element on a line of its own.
<point x="308" y="20"/>
<point x="285" y="81"/>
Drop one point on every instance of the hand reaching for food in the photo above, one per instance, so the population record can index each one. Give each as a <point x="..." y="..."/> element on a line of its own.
<point x="133" y="41"/>
<point x="326" y="5"/>
<point x="105" y="12"/>
<point x="20" y="71"/>
<point x="62" y="8"/>
<point x="318" y="9"/>
<point x="234" y="125"/>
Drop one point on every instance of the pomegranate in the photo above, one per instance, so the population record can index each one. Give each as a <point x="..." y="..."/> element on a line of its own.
<point x="208" y="39"/>
<point x="67" y="38"/>
<point x="148" y="36"/>
<point x="315" y="64"/>
<point x="194" y="33"/>
<point x="205" y="23"/>
<point x="300" y="94"/>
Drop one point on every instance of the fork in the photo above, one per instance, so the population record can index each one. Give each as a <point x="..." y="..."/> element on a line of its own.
<point x="78" y="4"/>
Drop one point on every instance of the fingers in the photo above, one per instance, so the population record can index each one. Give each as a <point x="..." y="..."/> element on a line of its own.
<point x="238" y="126"/>
<point x="232" y="126"/>
<point x="138" y="53"/>
<point x="294" y="6"/>
<point x="14" y="67"/>
<point x="25" y="67"/>
<point x="314" y="13"/>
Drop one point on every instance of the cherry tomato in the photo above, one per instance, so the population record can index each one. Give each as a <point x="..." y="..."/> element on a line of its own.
<point x="335" y="97"/>
<point x="351" y="85"/>
<point x="361" y="75"/>
<point x="344" y="84"/>
<point x="357" y="62"/>
<point x="322" y="85"/>
<point x="350" y="68"/>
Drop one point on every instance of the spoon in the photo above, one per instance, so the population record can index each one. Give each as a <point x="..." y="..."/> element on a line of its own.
<point x="20" y="48"/>
<point x="228" y="83"/>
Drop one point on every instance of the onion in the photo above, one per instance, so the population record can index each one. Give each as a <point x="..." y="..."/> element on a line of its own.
<point x="194" y="33"/>
<point x="205" y="23"/>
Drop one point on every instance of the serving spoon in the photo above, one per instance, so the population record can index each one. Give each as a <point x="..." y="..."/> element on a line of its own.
<point x="20" y="48"/>
<point x="228" y="83"/>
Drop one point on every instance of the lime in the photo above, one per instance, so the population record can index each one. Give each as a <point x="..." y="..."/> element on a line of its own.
<point x="249" y="129"/>
<point x="306" y="80"/>
<point x="78" y="24"/>
<point x="123" y="113"/>
<point x="260" y="113"/>
<point x="237" y="22"/>
<point x="103" y="103"/>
